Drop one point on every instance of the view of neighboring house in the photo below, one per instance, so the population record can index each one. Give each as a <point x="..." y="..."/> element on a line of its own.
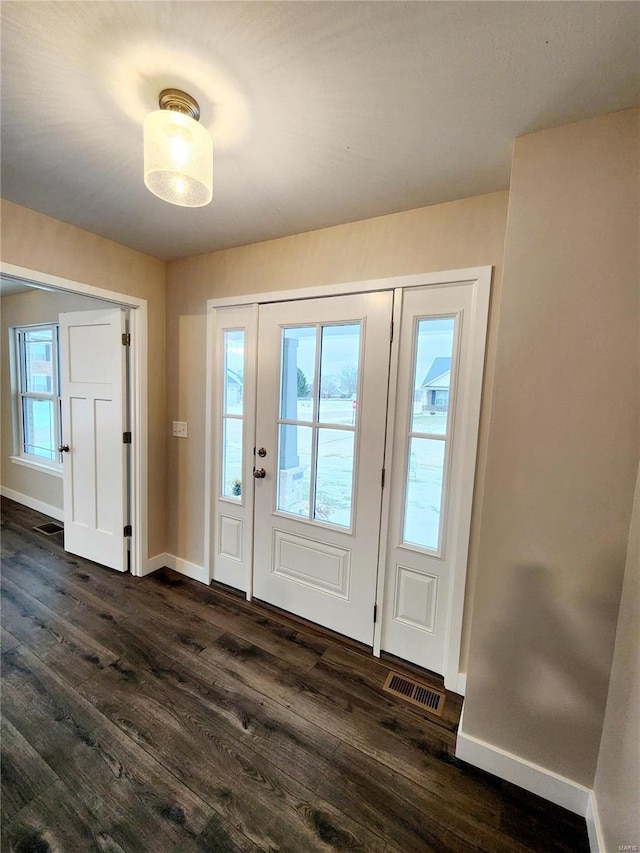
<point x="433" y="393"/>
<point x="234" y="386"/>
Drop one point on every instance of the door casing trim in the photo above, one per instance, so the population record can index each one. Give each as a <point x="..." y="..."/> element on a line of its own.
<point x="139" y="401"/>
<point x="480" y="277"/>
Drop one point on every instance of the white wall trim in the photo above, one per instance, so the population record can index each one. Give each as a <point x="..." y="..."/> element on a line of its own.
<point x="538" y="780"/>
<point x="443" y="278"/>
<point x="177" y="564"/>
<point x="41" y="468"/>
<point x="594" y="827"/>
<point x="32" y="503"/>
<point x="461" y="684"/>
<point x="139" y="387"/>
<point x="155" y="563"/>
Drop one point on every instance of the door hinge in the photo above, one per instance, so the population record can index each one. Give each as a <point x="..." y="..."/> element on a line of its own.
<point x="382" y="479"/>
<point x="126" y="339"/>
<point x="375" y="613"/>
<point x="391" y="332"/>
<point x="126" y="438"/>
<point x="128" y="530"/>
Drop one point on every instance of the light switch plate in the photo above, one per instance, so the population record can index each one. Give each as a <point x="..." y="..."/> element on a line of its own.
<point x="180" y="429"/>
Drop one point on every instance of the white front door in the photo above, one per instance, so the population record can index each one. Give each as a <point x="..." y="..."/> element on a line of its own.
<point x="320" y="429"/>
<point x="93" y="392"/>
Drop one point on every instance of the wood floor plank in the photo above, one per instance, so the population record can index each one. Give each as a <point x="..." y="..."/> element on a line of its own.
<point x="158" y="714"/>
<point x="414" y="819"/>
<point x="265" y="632"/>
<point x="24" y="774"/>
<point x="55" y="821"/>
<point x="70" y="652"/>
<point x="293" y="745"/>
<point x="417" y="748"/>
<point x="525" y="816"/>
<point x="368" y="672"/>
<point x="365" y="677"/>
<point x="106" y="623"/>
<point x="112" y="776"/>
<point x="225" y="765"/>
<point x="56" y="592"/>
<point x="7" y="641"/>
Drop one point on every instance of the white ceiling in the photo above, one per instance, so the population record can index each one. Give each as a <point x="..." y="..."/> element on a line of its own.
<point x="321" y="112"/>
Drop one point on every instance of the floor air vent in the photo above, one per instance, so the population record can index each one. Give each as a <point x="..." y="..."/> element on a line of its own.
<point x="49" y="528"/>
<point x="413" y="691"/>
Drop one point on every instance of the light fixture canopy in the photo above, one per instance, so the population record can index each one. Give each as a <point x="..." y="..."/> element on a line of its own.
<point x="178" y="152"/>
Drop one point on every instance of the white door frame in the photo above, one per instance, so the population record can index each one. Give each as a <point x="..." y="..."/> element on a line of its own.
<point x="480" y="278"/>
<point x="138" y="401"/>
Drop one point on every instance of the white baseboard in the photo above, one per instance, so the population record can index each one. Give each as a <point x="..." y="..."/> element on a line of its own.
<point x="594" y="827"/>
<point x="545" y="783"/>
<point x="461" y="687"/>
<point x="184" y="567"/>
<point x="32" y="503"/>
<point x="191" y="570"/>
<point x="155" y="563"/>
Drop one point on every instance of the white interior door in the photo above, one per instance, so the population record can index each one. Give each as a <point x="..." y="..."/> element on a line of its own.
<point x="320" y="429"/>
<point x="93" y="392"/>
<point x="441" y="352"/>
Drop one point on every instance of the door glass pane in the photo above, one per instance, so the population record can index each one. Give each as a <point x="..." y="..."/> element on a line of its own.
<point x="294" y="465"/>
<point x="334" y="476"/>
<point x="38" y="361"/>
<point x="298" y="372"/>
<point x="39" y="428"/>
<point x="231" y="458"/>
<point x="432" y="375"/>
<point x="339" y="363"/>
<point x="424" y="492"/>
<point x="233" y="346"/>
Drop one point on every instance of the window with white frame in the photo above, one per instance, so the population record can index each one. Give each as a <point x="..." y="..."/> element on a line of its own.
<point x="37" y="394"/>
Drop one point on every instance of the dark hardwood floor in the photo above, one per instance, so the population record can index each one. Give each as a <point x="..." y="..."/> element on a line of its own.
<point x="155" y="714"/>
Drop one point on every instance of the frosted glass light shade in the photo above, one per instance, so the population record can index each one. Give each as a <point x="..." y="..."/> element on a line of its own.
<point x="178" y="159"/>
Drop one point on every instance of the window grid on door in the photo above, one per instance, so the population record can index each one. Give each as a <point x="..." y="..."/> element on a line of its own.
<point x="318" y="421"/>
<point x="38" y="393"/>
<point x="430" y="423"/>
<point x="232" y="415"/>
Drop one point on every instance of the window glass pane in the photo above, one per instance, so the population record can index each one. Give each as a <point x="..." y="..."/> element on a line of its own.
<point x="294" y="465"/>
<point x="339" y="359"/>
<point x="233" y="372"/>
<point x="39" y="428"/>
<point x="423" y="500"/>
<point x="298" y="372"/>
<point x="334" y="476"/>
<point x="432" y="375"/>
<point x="231" y="457"/>
<point x="38" y="361"/>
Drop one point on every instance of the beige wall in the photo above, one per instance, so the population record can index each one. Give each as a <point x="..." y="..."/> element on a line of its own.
<point x="22" y="309"/>
<point x="563" y="448"/>
<point x="617" y="784"/>
<point x="38" y="242"/>
<point x="446" y="236"/>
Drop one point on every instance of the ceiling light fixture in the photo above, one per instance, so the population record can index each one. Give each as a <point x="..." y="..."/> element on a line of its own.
<point x="178" y="152"/>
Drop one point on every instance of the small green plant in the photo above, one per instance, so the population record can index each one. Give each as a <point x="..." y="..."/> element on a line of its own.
<point x="236" y="488"/>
